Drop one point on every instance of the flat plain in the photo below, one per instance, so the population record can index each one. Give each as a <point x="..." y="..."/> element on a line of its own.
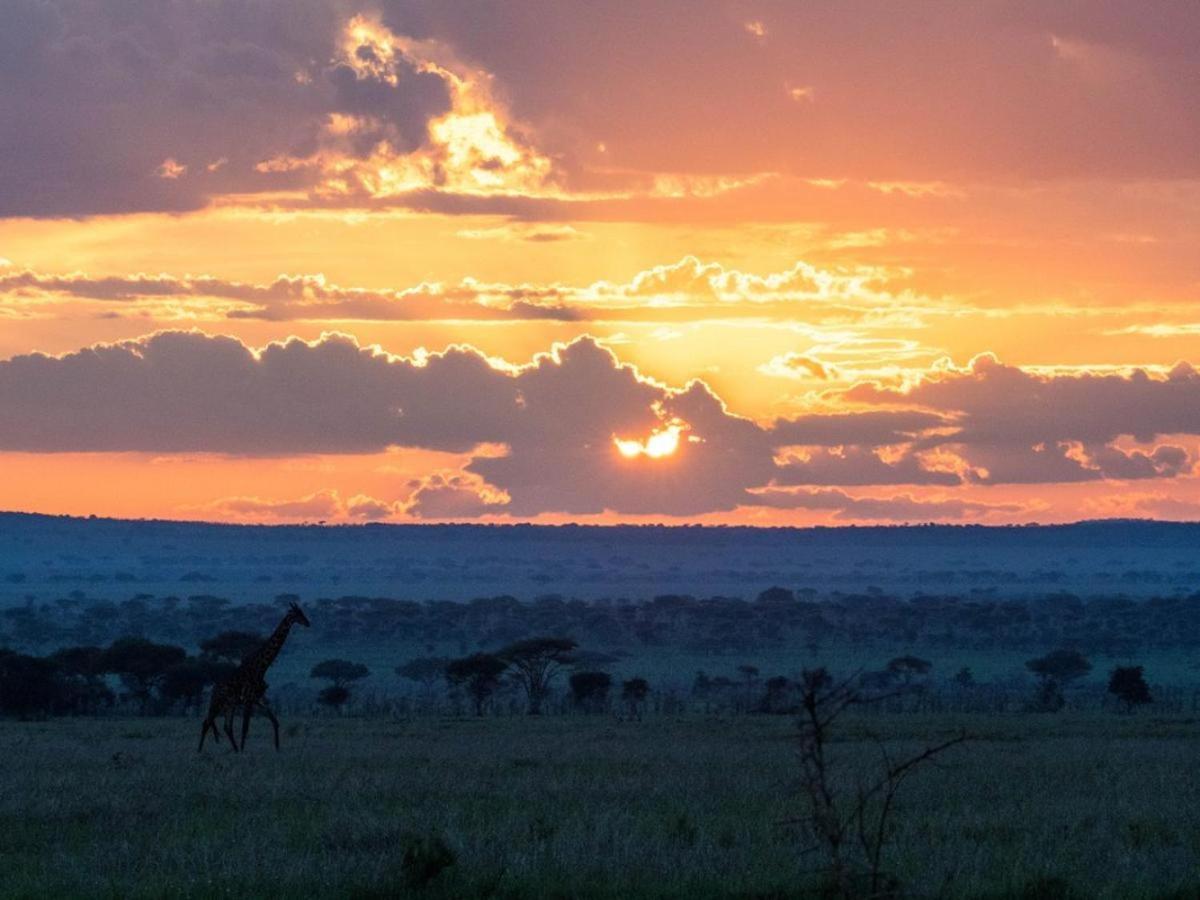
<point x="586" y="806"/>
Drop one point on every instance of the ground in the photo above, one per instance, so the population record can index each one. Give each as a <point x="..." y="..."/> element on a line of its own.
<point x="583" y="807"/>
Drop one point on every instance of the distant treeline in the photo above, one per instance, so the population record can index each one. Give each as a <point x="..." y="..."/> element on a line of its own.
<point x="136" y="675"/>
<point x="777" y="618"/>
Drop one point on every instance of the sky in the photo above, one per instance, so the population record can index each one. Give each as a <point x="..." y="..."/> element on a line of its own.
<point x="705" y="261"/>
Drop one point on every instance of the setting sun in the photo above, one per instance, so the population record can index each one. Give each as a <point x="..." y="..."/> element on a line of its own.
<point x="659" y="444"/>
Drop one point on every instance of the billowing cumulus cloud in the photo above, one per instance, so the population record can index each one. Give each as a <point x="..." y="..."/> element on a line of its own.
<point x="576" y="431"/>
<point x="1017" y="426"/>
<point x="453" y="495"/>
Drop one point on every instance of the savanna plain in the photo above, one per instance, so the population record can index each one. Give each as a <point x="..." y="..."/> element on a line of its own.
<point x="587" y="806"/>
<point x="721" y="712"/>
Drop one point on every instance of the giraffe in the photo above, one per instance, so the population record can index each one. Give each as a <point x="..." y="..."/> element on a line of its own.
<point x="246" y="687"/>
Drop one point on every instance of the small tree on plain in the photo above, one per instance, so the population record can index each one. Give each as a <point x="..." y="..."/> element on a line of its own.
<point x="908" y="668"/>
<point x="479" y="674"/>
<point x="335" y="697"/>
<point x="342" y="673"/>
<point x="1055" y="671"/>
<point x="1128" y="684"/>
<point x="425" y="671"/>
<point x="535" y="663"/>
<point x="589" y="690"/>
<point x="852" y="828"/>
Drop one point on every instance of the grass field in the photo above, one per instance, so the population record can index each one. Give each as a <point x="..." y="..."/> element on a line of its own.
<point x="584" y="807"/>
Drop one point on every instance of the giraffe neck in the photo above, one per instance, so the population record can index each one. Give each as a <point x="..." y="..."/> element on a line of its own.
<point x="258" y="664"/>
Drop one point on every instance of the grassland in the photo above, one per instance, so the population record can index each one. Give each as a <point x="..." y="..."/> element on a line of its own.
<point x="583" y="807"/>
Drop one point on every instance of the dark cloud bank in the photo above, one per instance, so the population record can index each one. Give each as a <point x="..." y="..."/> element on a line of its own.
<point x="557" y="417"/>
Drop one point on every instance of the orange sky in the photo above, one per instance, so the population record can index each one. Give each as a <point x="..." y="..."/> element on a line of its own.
<point x="860" y="266"/>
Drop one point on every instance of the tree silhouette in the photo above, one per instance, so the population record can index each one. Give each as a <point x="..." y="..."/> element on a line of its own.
<point x="232" y="645"/>
<point x="1055" y="671"/>
<point x="83" y="681"/>
<point x="341" y="672"/>
<point x="479" y="674"/>
<point x="29" y="686"/>
<point x="535" y="662"/>
<point x="589" y="690"/>
<point x="141" y="664"/>
<point x="1064" y="666"/>
<point x="1128" y="684"/>
<point x="334" y="696"/>
<point x="426" y="670"/>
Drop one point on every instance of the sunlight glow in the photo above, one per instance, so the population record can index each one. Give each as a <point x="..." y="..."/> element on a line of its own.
<point x="659" y="444"/>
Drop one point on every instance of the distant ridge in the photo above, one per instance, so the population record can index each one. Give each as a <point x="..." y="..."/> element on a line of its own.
<point x="1092" y="529"/>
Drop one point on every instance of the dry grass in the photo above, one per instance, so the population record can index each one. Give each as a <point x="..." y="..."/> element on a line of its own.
<point x="578" y="807"/>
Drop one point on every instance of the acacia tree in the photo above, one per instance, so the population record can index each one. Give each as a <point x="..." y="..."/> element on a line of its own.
<point x="84" y="680"/>
<point x="1055" y="671"/>
<point x="233" y="646"/>
<point x="341" y="672"/>
<point x="425" y="671"/>
<point x="141" y="664"/>
<point x="479" y="674"/>
<point x="535" y="662"/>
<point x="1128" y="684"/>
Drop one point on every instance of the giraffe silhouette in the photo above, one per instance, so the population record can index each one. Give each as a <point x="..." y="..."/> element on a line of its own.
<point x="247" y="688"/>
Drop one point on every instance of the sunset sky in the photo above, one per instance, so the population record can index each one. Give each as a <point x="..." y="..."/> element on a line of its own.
<point x="697" y="261"/>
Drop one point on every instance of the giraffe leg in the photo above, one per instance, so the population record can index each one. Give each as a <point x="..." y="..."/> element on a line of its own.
<point x="229" y="729"/>
<point x="246" y="722"/>
<point x="204" y="732"/>
<point x="269" y="713"/>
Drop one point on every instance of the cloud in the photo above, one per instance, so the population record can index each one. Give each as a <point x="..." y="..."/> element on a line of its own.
<point x="797" y="365"/>
<point x="121" y="107"/>
<point x="857" y="465"/>
<point x="319" y="506"/>
<point x="554" y="434"/>
<point x="453" y="495"/>
<point x="302" y="297"/>
<point x="1018" y="426"/>
<point x="316" y="102"/>
<point x="687" y="289"/>
<point x="888" y="113"/>
<point x="186" y="391"/>
<point x="528" y="232"/>
<point x="902" y="508"/>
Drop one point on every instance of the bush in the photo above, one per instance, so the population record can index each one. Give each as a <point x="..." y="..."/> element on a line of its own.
<point x="424" y="858"/>
<point x="1128" y="684"/>
<point x="335" y="696"/>
<point x="589" y="690"/>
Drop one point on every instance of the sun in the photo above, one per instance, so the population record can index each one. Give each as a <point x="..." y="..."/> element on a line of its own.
<point x="660" y="443"/>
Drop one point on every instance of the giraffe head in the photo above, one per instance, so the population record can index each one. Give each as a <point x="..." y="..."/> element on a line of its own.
<point x="296" y="614"/>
